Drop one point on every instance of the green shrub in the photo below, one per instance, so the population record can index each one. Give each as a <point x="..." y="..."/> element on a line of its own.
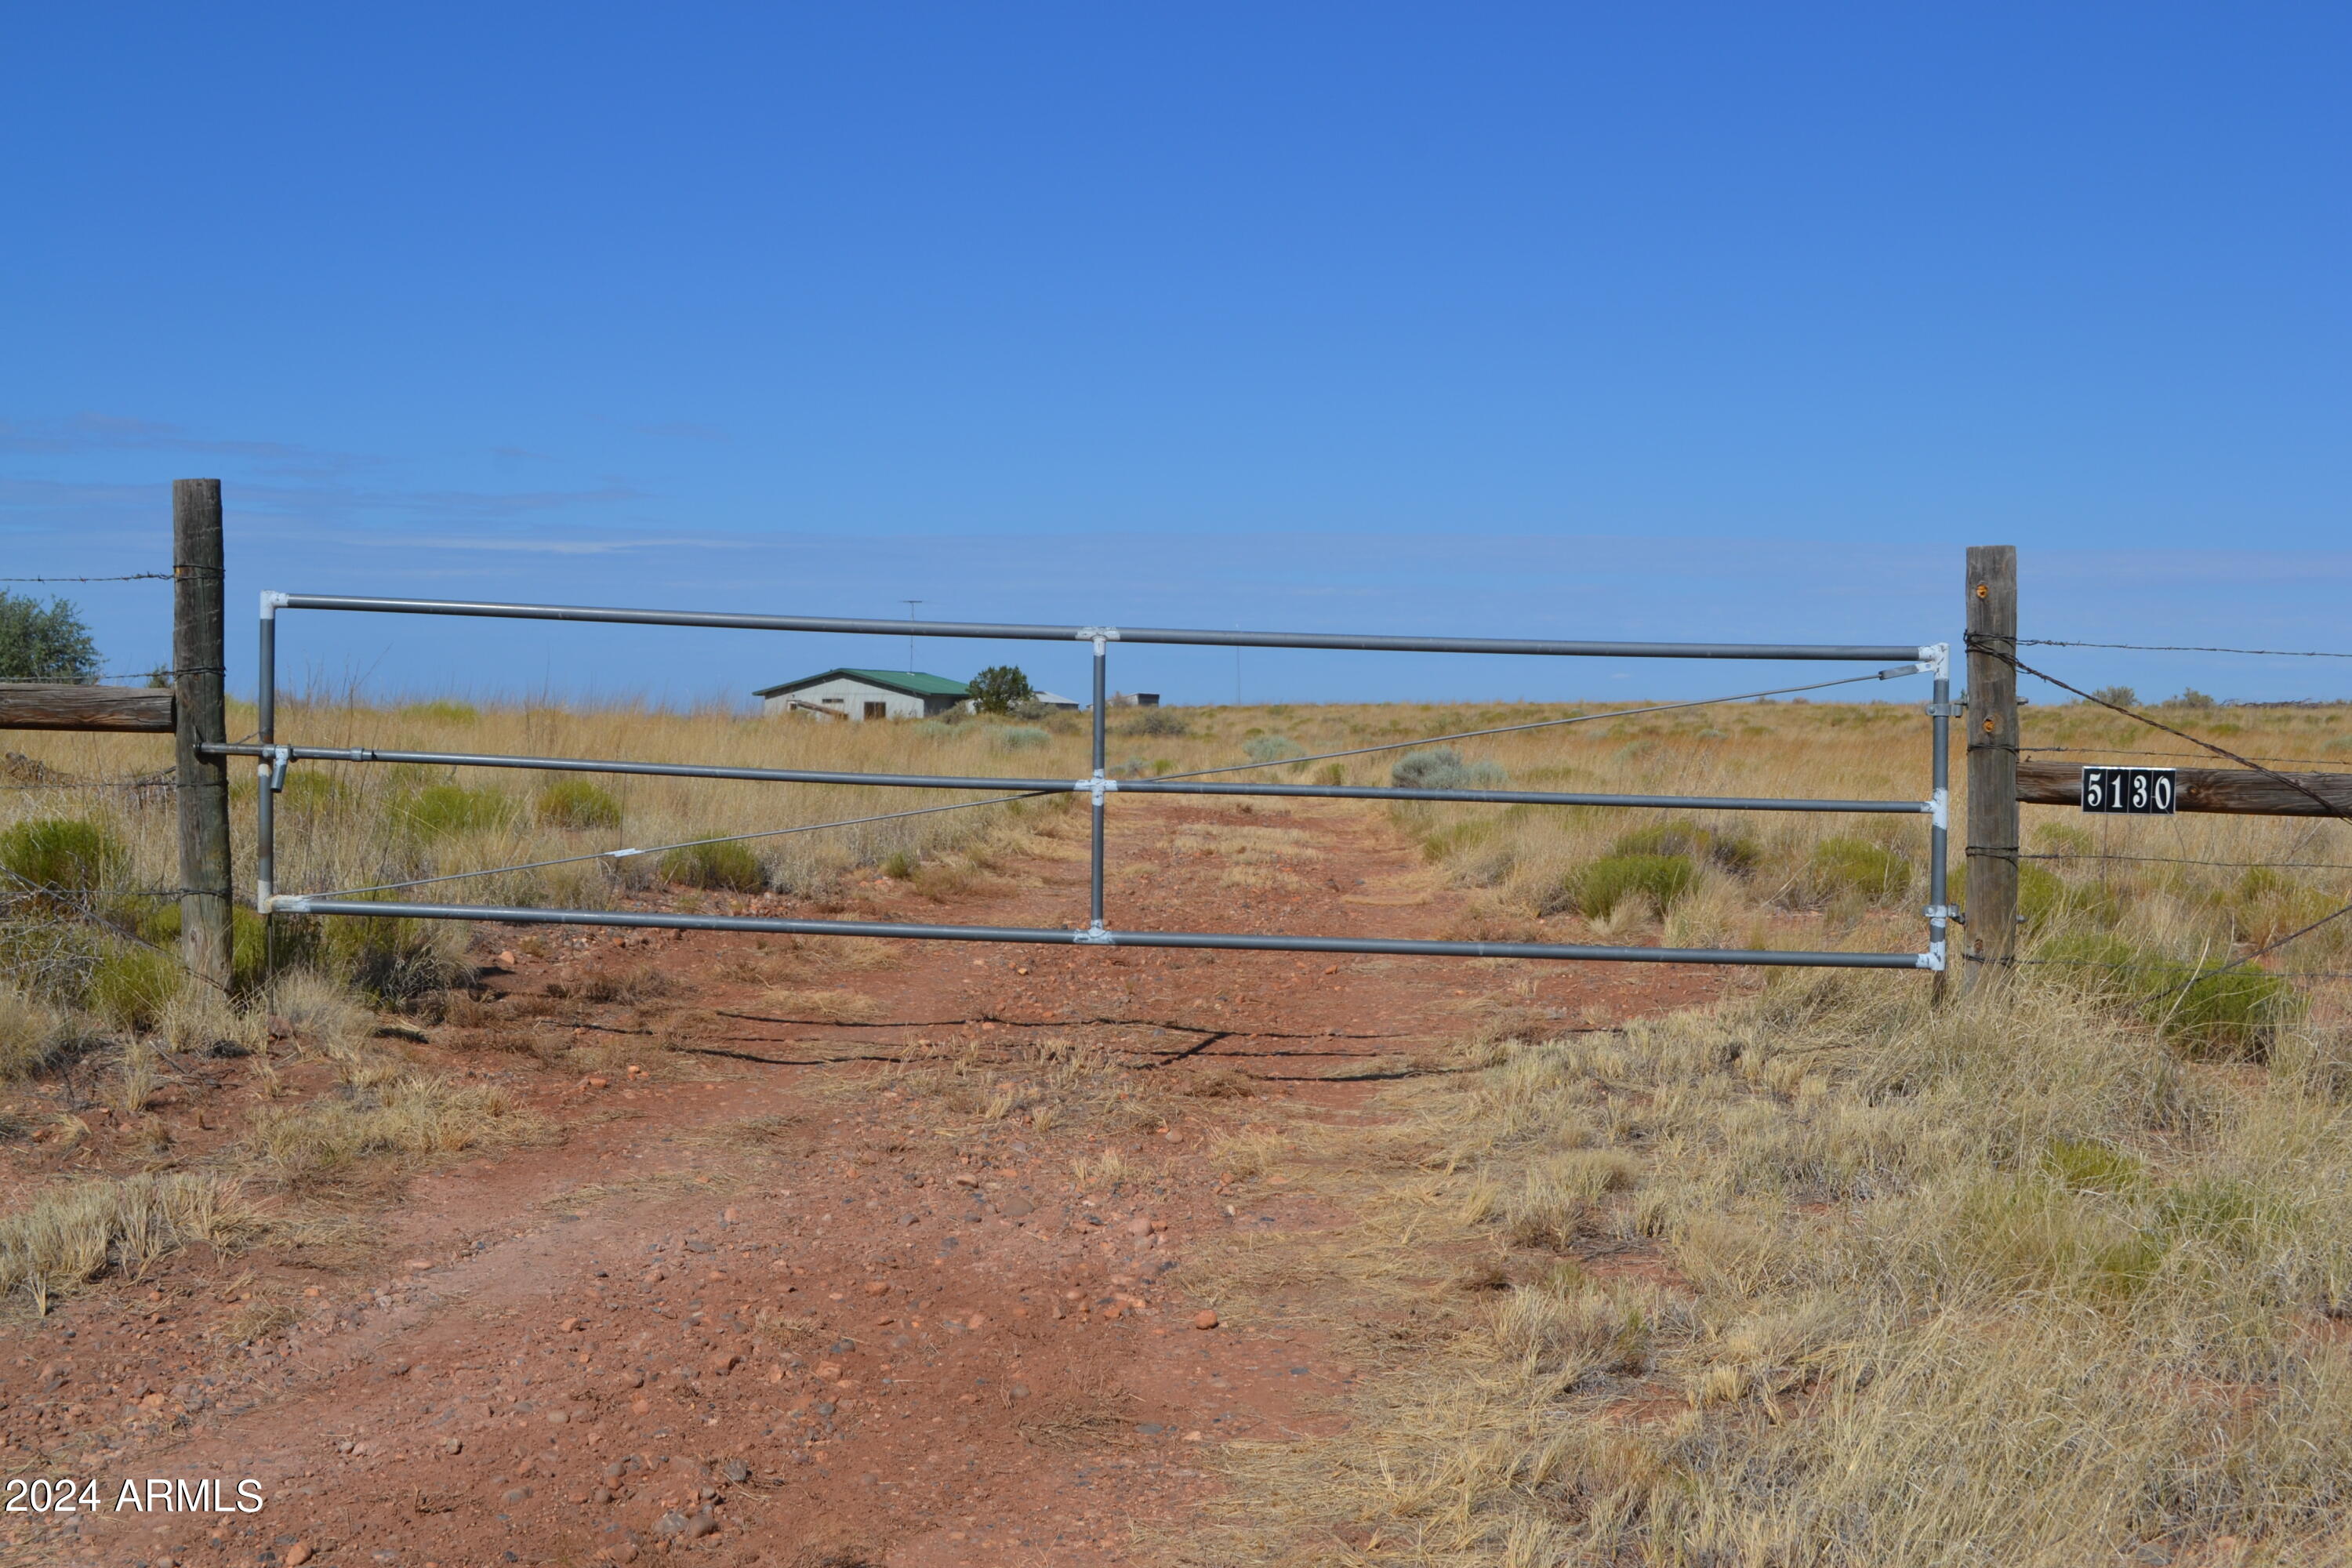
<point x="1018" y="737"/>
<point x="1684" y="837"/>
<point x="131" y="985"/>
<point x="248" y="942"/>
<point x="897" y="865"/>
<point x="2204" y="1011"/>
<point x="2091" y="1167"/>
<point x="576" y="804"/>
<point x="721" y="867"/>
<point x="2233" y="1016"/>
<point x="62" y="853"/>
<point x="1272" y="749"/>
<point x="453" y="808"/>
<point x="1442" y="767"/>
<point x="1596" y="890"/>
<point x="1856" y="867"/>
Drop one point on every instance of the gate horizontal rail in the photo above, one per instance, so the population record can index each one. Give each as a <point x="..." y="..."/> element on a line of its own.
<point x="1924" y="659"/>
<point x="1006" y="632"/>
<point x="516" y="914"/>
<point x="1065" y="786"/>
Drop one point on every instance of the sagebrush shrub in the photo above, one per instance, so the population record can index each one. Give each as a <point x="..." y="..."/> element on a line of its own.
<point x="578" y="804"/>
<point x="720" y="867"/>
<point x="1596" y="890"/>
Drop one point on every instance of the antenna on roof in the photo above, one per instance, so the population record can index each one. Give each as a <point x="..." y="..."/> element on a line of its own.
<point x="910" y="605"/>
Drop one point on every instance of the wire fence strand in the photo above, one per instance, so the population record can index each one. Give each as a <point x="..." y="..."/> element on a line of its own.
<point x="2178" y="648"/>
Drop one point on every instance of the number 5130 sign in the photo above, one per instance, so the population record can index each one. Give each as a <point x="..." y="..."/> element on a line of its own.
<point x="2132" y="792"/>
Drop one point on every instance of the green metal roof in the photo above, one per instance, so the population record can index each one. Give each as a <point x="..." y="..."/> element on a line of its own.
<point x="913" y="683"/>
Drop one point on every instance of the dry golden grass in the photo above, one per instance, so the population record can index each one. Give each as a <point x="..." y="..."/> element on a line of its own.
<point x="390" y="1114"/>
<point x="72" y="1232"/>
<point x="1828" y="1275"/>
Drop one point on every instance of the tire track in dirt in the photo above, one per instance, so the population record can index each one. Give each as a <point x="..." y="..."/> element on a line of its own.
<point x="800" y="1294"/>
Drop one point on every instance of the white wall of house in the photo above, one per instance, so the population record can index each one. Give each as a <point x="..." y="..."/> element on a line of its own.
<point x="849" y="697"/>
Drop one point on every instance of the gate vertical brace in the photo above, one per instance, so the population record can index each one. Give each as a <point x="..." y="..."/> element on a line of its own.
<point x="1939" y="776"/>
<point x="1101" y="718"/>
<point x="199" y="661"/>
<point x="272" y="775"/>
<point x="1992" y="758"/>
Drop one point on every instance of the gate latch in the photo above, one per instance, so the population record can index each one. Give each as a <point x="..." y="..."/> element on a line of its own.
<point x="273" y="765"/>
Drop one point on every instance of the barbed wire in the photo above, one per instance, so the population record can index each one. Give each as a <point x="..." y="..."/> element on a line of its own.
<point x="2182" y="860"/>
<point x="2178" y="648"/>
<point x="2129" y="751"/>
<point x="1980" y="643"/>
<point x="126" y="578"/>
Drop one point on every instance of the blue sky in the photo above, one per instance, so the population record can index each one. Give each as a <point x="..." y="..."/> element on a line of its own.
<point x="1553" y="320"/>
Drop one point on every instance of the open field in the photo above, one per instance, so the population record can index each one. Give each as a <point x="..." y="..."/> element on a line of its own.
<point x="1576" y="1265"/>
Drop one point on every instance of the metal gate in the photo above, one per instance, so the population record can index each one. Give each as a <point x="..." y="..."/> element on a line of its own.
<point x="1911" y="659"/>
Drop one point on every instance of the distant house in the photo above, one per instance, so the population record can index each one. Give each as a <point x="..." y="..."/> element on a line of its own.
<point x="1054" y="699"/>
<point x="863" y="694"/>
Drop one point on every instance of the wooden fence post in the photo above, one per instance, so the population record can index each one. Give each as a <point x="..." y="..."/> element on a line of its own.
<point x="1992" y="929"/>
<point x="199" y="662"/>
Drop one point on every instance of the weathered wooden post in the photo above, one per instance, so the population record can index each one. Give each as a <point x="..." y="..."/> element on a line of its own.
<point x="1991" y="930"/>
<point x="199" y="664"/>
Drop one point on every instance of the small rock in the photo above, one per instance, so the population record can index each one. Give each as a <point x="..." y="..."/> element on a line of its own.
<point x="573" y="1325"/>
<point x="297" y="1554"/>
<point x="1138" y="1225"/>
<point x="505" y="959"/>
<point x="735" y="1470"/>
<point x="600" y="1082"/>
<point x="720" y="1366"/>
<point x="962" y="1180"/>
<point x="557" y="1417"/>
<point x="516" y="1494"/>
<point x="1014" y="1206"/>
<point x="669" y="1524"/>
<point x="601" y="1495"/>
<point x="1204" y="1320"/>
<point x="877" y="1287"/>
<point x="419" y="1264"/>
<point x="453" y="1445"/>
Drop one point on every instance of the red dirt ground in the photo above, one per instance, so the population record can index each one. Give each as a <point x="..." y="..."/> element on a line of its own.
<point x="890" y="1330"/>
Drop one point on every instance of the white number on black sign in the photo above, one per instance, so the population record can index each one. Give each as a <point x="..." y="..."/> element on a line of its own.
<point x="2131" y="791"/>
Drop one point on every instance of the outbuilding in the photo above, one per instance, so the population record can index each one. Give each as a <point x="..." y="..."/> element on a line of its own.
<point x="861" y="694"/>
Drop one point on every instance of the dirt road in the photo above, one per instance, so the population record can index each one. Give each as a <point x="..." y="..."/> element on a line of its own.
<point x="881" y="1259"/>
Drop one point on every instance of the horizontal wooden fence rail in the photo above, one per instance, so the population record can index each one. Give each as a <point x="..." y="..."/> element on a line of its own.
<point x="27" y="705"/>
<point x="2235" y="790"/>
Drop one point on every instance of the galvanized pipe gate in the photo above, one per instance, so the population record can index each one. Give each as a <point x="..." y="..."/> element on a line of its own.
<point x="1098" y="786"/>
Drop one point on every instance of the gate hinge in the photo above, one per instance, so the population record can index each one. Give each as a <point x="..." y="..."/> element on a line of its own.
<point x="1093" y="936"/>
<point x="1945" y="913"/>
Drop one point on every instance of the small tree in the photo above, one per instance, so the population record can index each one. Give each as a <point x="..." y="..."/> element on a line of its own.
<point x="2121" y="696"/>
<point x="51" y="644"/>
<point x="1000" y="688"/>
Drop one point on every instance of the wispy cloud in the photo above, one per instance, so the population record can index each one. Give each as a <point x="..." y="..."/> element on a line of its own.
<point x="91" y="432"/>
